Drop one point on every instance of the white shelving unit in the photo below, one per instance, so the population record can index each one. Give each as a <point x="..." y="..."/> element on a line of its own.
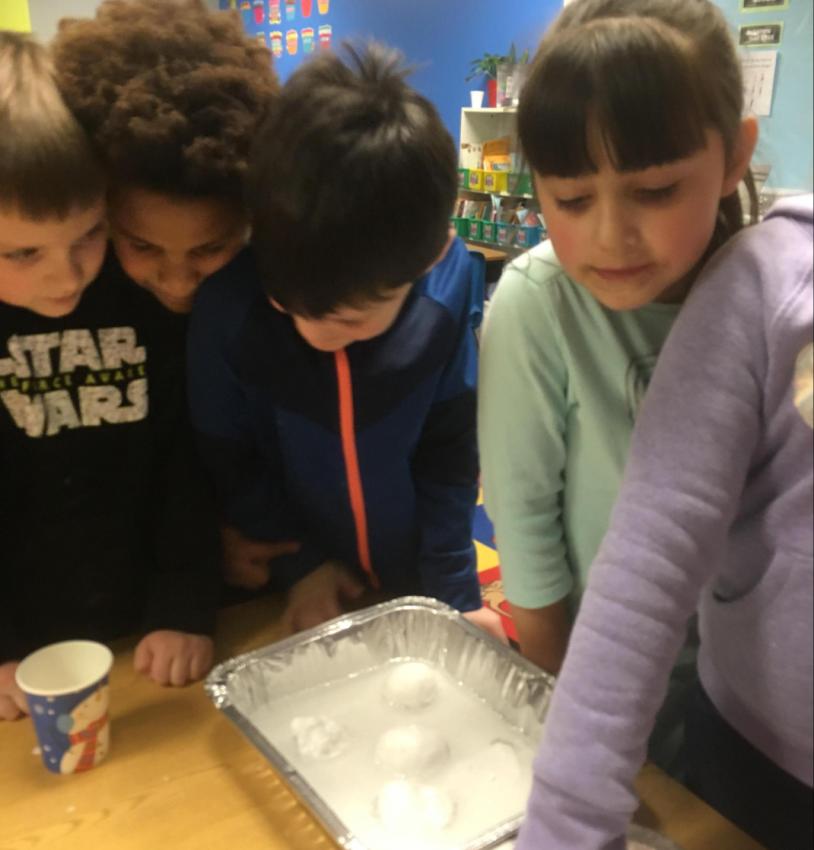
<point x="481" y="125"/>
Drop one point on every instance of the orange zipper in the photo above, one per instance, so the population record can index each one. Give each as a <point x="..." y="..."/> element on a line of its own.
<point x="347" y="431"/>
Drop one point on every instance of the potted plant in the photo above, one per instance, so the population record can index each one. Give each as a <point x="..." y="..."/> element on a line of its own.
<point x="486" y="66"/>
<point x="493" y="66"/>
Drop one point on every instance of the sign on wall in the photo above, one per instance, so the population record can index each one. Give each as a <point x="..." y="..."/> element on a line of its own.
<point x="290" y="29"/>
<point x="14" y="15"/>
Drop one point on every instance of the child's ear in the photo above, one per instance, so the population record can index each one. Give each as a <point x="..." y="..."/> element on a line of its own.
<point x="741" y="155"/>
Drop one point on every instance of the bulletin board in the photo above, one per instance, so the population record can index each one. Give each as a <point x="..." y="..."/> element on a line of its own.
<point x="291" y="29"/>
<point x="14" y="15"/>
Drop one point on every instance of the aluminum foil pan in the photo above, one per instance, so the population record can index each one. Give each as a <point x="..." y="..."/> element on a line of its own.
<point x="349" y="648"/>
<point x="638" y="837"/>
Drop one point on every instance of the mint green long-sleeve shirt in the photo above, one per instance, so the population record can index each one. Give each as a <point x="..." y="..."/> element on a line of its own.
<point x="561" y="380"/>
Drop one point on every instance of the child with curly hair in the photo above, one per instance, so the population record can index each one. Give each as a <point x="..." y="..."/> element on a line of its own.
<point x="102" y="505"/>
<point x="171" y="95"/>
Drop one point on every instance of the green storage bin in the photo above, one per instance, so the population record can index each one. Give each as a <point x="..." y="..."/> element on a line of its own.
<point x="489" y="231"/>
<point x="463" y="178"/>
<point x="520" y="184"/>
<point x="475" y="229"/>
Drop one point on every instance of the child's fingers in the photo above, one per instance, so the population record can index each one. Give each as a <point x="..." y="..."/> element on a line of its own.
<point x="18" y="697"/>
<point x="143" y="658"/>
<point x="202" y="660"/>
<point x="9" y="709"/>
<point x="161" y="668"/>
<point x="180" y="669"/>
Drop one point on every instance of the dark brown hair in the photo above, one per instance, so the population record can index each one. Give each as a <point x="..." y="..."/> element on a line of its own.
<point x="650" y="76"/>
<point x="169" y="92"/>
<point x="352" y="183"/>
<point x="47" y="166"/>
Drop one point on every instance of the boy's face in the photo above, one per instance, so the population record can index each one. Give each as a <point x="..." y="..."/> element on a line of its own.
<point x="45" y="266"/>
<point x="170" y="245"/>
<point x="347" y="325"/>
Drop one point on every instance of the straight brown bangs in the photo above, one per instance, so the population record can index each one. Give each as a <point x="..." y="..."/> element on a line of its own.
<point x="48" y="174"/>
<point x="625" y="83"/>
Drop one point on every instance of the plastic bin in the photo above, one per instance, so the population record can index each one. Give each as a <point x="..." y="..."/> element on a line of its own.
<point x="489" y="231"/>
<point x="520" y="184"/>
<point x="476" y="179"/>
<point x="505" y="233"/>
<point x="475" y="229"/>
<point x="463" y="178"/>
<point x="528" y="236"/>
<point x="496" y="181"/>
<point x="461" y="226"/>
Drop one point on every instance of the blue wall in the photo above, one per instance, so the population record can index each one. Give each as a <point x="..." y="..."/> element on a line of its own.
<point x="441" y="37"/>
<point x="786" y="136"/>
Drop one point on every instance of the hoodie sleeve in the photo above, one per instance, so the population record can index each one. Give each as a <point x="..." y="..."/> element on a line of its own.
<point x="690" y="456"/>
<point x="248" y="487"/>
<point x="446" y="462"/>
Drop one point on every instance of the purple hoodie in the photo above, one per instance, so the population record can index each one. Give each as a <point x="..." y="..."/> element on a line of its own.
<point x="716" y="508"/>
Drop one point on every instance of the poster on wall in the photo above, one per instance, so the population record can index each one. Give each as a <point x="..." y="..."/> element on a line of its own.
<point x="759" y="69"/>
<point x="14" y="15"/>
<point x="761" y="35"/>
<point x="763" y="5"/>
<point x="291" y="29"/>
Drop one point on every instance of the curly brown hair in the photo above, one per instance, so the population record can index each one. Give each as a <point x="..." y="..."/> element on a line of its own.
<point x="170" y="93"/>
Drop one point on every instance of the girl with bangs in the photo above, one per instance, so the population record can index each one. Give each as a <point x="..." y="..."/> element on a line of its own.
<point x="632" y="123"/>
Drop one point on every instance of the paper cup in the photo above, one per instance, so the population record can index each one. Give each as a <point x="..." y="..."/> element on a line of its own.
<point x="476" y="98"/>
<point x="66" y="685"/>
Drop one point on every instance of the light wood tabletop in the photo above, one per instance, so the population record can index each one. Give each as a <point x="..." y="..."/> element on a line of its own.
<point x="180" y="775"/>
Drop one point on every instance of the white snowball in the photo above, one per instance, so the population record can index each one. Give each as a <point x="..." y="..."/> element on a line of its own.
<point x="406" y="808"/>
<point x="412" y="751"/>
<point x="411" y="686"/>
<point x="319" y="737"/>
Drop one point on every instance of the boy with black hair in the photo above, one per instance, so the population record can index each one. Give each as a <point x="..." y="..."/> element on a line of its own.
<point x="103" y="512"/>
<point x="332" y="369"/>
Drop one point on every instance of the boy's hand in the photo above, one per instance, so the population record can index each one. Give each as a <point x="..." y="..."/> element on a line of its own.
<point x="321" y="595"/>
<point x="12" y="699"/>
<point x="488" y="620"/>
<point x="174" y="658"/>
<point x="246" y="562"/>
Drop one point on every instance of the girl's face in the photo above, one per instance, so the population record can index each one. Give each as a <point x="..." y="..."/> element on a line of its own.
<point x="631" y="238"/>
<point x="169" y="245"/>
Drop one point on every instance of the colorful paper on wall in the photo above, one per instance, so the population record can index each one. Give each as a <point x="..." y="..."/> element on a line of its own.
<point x="14" y="15"/>
<point x="306" y="7"/>
<point x="307" y="35"/>
<point x="292" y="40"/>
<point x="325" y="36"/>
<point x="275" y="16"/>
<point x="276" y="43"/>
<point x="290" y="9"/>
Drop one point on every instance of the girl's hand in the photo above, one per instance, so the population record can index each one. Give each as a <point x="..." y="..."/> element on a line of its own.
<point x="174" y="658"/>
<point x="12" y="700"/>
<point x="488" y="620"/>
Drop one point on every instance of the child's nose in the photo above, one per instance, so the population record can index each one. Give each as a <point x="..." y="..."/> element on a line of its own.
<point x="616" y="228"/>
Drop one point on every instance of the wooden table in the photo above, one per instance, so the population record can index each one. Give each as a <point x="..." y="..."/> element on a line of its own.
<point x="180" y="776"/>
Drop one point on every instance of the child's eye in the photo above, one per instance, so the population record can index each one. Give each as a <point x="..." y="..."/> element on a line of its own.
<point x="208" y="250"/>
<point x="659" y="193"/>
<point x="572" y="204"/>
<point x="99" y="231"/>
<point x="142" y="247"/>
<point x="23" y="255"/>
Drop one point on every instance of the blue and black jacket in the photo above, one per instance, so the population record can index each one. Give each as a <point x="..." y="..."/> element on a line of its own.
<point x="367" y="455"/>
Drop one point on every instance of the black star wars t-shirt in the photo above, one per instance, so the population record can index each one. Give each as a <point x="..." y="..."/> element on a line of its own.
<point x="106" y="526"/>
